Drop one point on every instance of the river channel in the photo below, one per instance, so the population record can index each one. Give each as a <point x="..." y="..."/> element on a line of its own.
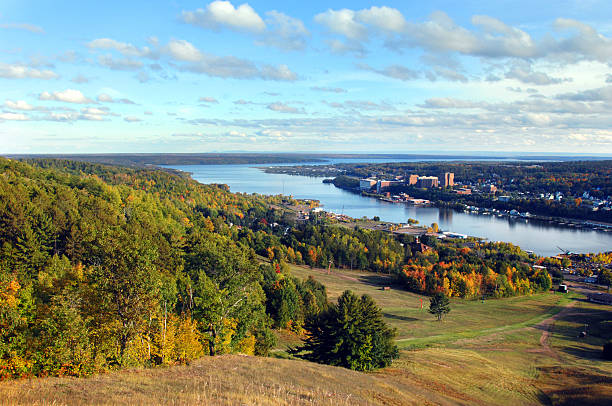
<point x="543" y="238"/>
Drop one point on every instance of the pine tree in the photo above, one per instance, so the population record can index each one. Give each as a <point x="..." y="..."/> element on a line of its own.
<point x="351" y="334"/>
<point x="439" y="305"/>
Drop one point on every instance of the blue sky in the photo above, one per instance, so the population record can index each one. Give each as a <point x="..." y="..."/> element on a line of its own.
<point x="393" y="76"/>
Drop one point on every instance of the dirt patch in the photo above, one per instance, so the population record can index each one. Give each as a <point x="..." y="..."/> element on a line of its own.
<point x="546" y="327"/>
<point x="339" y="275"/>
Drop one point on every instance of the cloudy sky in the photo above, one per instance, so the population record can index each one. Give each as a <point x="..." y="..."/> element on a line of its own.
<point x="340" y="76"/>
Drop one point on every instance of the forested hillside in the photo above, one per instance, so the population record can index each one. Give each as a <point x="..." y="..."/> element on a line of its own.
<point x="103" y="267"/>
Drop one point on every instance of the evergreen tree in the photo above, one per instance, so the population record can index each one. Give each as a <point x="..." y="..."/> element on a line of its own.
<point x="351" y="334"/>
<point x="439" y="305"/>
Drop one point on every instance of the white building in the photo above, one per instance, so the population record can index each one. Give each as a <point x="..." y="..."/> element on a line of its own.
<point x="366" y="184"/>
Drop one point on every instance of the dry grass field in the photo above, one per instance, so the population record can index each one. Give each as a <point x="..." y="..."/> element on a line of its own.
<point x="522" y="350"/>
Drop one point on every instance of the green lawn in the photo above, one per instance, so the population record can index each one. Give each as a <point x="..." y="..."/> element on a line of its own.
<point x="417" y="327"/>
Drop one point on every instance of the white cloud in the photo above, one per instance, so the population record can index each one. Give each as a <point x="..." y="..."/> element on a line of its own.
<point x="224" y="66"/>
<point x="524" y="73"/>
<point x="587" y="44"/>
<point x="80" y="79"/>
<point x="95" y="111"/>
<point x="450" y="103"/>
<point x="184" y="51"/>
<point x="219" y="14"/>
<point x="18" y="105"/>
<point x="19" y="71"/>
<point x="603" y="94"/>
<point x="278" y="30"/>
<point x="23" y="26"/>
<point x="394" y="71"/>
<point x="106" y="98"/>
<point x="328" y="89"/>
<point x="341" y="47"/>
<point x="243" y="102"/>
<point x="119" y="64"/>
<point x="131" y="119"/>
<point x="357" y="26"/>
<point x="383" y="18"/>
<point x="362" y="105"/>
<point x="342" y="22"/>
<point x="448" y="74"/>
<point x="93" y="114"/>
<point x="280" y="73"/>
<point x="208" y="100"/>
<point x="68" y="96"/>
<point x="13" y="117"/>
<point x="489" y="37"/>
<point x="284" y="32"/>
<point x="284" y="108"/>
<point x="121" y="47"/>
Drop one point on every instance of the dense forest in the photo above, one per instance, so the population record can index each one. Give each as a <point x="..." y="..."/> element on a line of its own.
<point x="103" y="267"/>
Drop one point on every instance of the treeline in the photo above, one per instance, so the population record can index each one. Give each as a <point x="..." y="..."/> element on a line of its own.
<point x="103" y="267"/>
<point x="143" y="160"/>
<point x="317" y="245"/>
<point x="482" y="270"/>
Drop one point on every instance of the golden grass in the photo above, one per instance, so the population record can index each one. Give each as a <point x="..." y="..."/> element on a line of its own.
<point x="222" y="380"/>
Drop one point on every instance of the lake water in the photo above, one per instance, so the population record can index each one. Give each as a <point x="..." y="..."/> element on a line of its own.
<point x="541" y="237"/>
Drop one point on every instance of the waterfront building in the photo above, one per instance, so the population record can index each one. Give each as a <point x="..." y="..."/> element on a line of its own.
<point x="382" y="184"/>
<point x="427" y="181"/>
<point x="449" y="179"/>
<point x="366" y="184"/>
<point x="413" y="179"/>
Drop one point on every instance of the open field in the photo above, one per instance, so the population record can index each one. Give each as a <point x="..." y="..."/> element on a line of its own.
<point x="520" y="350"/>
<point x="516" y="351"/>
<point x="417" y="327"/>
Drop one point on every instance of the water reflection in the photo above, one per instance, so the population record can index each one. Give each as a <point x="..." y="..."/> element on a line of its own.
<point x="445" y="216"/>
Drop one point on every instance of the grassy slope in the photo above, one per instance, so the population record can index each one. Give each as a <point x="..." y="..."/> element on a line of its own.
<point x="482" y="353"/>
<point x="418" y="327"/>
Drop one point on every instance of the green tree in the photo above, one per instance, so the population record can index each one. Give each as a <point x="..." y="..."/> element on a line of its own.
<point x="226" y="289"/>
<point x="605" y="277"/>
<point x="351" y="334"/>
<point x="439" y="305"/>
<point x="127" y="282"/>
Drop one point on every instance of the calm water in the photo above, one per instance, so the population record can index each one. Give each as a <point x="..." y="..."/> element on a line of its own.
<point x="541" y="237"/>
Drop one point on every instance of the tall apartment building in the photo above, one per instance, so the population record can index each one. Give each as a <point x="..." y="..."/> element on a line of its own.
<point x="449" y="179"/>
<point x="428" y="181"/>
<point x="413" y="179"/>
